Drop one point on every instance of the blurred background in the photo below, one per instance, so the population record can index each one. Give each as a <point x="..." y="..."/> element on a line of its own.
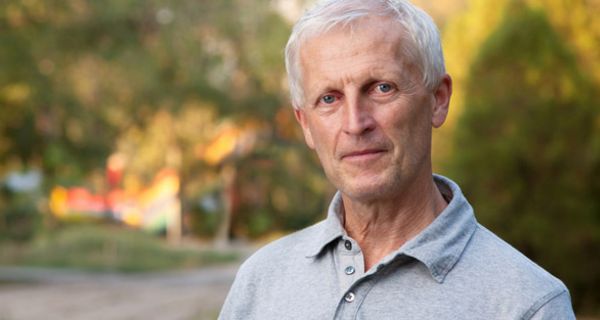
<point x="153" y="135"/>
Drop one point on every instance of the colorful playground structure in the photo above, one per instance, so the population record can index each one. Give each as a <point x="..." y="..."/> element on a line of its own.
<point x="152" y="208"/>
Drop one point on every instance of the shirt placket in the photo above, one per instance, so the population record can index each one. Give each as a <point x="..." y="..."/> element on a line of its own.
<point x="350" y="269"/>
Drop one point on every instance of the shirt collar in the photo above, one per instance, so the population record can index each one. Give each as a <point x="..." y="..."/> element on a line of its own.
<point x="439" y="246"/>
<point x="330" y="229"/>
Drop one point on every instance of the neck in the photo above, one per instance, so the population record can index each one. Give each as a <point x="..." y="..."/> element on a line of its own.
<point x="381" y="227"/>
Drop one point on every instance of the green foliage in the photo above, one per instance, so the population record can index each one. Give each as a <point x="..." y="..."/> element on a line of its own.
<point x="151" y="80"/>
<point x="526" y="149"/>
<point x="77" y="70"/>
<point x="282" y="188"/>
<point x="19" y="218"/>
<point x="103" y="248"/>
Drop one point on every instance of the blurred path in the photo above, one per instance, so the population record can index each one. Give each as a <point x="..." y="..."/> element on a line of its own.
<point x="31" y="293"/>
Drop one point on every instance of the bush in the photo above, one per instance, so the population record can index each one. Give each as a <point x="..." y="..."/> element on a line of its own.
<point x="527" y="153"/>
<point x="107" y="248"/>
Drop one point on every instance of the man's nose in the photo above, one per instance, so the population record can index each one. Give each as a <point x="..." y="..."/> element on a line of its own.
<point x="358" y="118"/>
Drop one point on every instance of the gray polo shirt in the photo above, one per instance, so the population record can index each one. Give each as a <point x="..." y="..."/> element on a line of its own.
<point x="454" y="269"/>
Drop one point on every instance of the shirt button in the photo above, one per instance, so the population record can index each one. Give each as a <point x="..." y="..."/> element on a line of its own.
<point x="349" y="297"/>
<point x="349" y="270"/>
<point x="348" y="245"/>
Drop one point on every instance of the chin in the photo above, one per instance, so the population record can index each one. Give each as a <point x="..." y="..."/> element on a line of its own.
<point x="368" y="186"/>
<point x="368" y="192"/>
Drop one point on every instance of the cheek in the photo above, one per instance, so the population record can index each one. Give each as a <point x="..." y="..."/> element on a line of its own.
<point x="418" y="112"/>
<point x="408" y="126"/>
<point x="419" y="139"/>
<point x="325" y="147"/>
<point x="312" y="130"/>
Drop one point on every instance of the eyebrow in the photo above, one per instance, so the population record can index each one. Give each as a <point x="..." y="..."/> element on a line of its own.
<point x="328" y="85"/>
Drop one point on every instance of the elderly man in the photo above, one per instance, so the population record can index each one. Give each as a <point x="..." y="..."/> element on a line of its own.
<point x="368" y="84"/>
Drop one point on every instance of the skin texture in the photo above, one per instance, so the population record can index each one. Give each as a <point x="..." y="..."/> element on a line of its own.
<point x="369" y="118"/>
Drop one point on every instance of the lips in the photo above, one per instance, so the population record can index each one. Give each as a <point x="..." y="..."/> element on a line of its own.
<point x="360" y="154"/>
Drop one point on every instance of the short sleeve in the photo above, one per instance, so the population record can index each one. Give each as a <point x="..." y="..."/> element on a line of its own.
<point x="557" y="308"/>
<point x="238" y="304"/>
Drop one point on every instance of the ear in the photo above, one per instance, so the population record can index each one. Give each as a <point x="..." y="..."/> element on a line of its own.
<point x="301" y="118"/>
<point x="441" y="102"/>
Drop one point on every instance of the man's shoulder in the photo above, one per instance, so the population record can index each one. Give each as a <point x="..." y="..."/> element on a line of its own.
<point x="509" y="268"/>
<point x="267" y="283"/>
<point x="281" y="252"/>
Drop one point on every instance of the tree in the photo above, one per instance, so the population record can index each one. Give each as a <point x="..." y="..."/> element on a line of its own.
<point x="526" y="149"/>
<point x="575" y="21"/>
<point x="150" y="80"/>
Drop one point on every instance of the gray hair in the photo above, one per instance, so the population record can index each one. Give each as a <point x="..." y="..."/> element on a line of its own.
<point x="420" y="32"/>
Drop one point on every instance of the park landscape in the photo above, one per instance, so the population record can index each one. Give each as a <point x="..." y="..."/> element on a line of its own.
<point x="148" y="147"/>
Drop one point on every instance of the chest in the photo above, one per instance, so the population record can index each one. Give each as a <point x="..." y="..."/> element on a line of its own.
<point x="404" y="291"/>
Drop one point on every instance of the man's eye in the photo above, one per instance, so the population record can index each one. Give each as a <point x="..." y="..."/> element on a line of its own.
<point x="384" y="87"/>
<point x="328" y="99"/>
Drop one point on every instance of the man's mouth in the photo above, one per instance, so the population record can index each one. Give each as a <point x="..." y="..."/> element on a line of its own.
<point x="365" y="154"/>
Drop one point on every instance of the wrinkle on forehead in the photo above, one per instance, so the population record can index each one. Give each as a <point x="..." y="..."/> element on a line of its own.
<point x="381" y="28"/>
<point x="343" y="43"/>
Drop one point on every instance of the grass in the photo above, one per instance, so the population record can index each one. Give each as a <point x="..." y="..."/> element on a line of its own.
<point x="107" y="248"/>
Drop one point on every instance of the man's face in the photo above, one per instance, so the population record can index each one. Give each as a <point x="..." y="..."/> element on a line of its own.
<point x="366" y="112"/>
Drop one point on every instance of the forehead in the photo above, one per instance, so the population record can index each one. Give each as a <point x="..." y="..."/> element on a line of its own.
<point x="373" y="33"/>
<point x="370" y="45"/>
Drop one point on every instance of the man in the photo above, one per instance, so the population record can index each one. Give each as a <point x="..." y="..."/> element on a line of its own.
<point x="368" y="84"/>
